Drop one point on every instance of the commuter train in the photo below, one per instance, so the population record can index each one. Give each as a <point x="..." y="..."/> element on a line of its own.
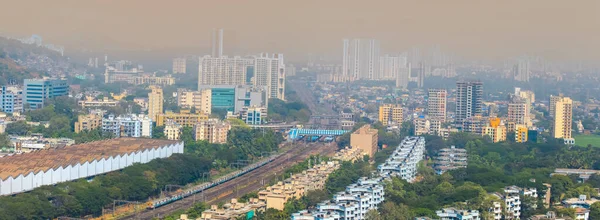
<point x="199" y="188"/>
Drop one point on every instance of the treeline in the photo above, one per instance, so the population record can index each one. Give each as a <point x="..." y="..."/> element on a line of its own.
<point x="83" y="197"/>
<point x="137" y="182"/>
<point x="288" y="111"/>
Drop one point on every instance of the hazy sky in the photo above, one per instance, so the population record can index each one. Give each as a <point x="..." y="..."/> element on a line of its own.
<point x="568" y="29"/>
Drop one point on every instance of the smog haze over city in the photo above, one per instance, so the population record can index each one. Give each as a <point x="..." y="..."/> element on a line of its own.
<point x="302" y="110"/>
<point x="556" y="29"/>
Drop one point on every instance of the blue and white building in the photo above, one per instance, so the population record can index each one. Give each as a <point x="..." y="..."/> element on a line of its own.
<point x="38" y="90"/>
<point x="455" y="214"/>
<point x="404" y="160"/>
<point x="254" y="115"/>
<point x="128" y="125"/>
<point x="11" y="99"/>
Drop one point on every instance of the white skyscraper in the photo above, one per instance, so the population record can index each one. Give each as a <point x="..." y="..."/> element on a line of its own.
<point x="521" y="70"/>
<point x="217" y="42"/>
<point x="403" y="76"/>
<point x="179" y="65"/>
<point x="360" y="58"/>
<point x="270" y="71"/>
<point x="223" y="70"/>
<point x="391" y="66"/>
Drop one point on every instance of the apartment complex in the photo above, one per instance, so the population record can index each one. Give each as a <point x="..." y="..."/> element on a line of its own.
<point x="436" y="104"/>
<point x="179" y="65"/>
<point x="184" y="118"/>
<point x="253" y="115"/>
<point x="390" y="114"/>
<point x="354" y="203"/>
<point x="128" y="125"/>
<point x="391" y="67"/>
<point x="212" y="130"/>
<point x="223" y="70"/>
<point x="269" y="71"/>
<point x="200" y="100"/>
<point x="297" y="185"/>
<point x="36" y="91"/>
<point x="422" y="125"/>
<point x="518" y="111"/>
<point x="521" y="134"/>
<point x="231" y="210"/>
<point x="450" y="159"/>
<point x="11" y="99"/>
<point x="495" y="130"/>
<point x="155" y="103"/>
<point x="88" y="122"/>
<point x="91" y="102"/>
<point x="365" y="139"/>
<point x="404" y="160"/>
<point x="360" y="58"/>
<point x="172" y="130"/>
<point x="348" y="154"/>
<point x="469" y="100"/>
<point x="512" y="199"/>
<point x="562" y="109"/>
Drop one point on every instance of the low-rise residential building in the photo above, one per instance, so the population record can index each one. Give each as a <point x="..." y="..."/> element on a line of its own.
<point x="200" y="100"/>
<point x="356" y="201"/>
<point x="390" y="114"/>
<point x="254" y="115"/>
<point x="495" y="130"/>
<point x="582" y="214"/>
<point x="24" y="144"/>
<point x="450" y="159"/>
<point x="456" y="214"/>
<point x="550" y="215"/>
<point x="584" y="174"/>
<point x="511" y="197"/>
<point x="88" y="122"/>
<point x="347" y="125"/>
<point x="365" y="138"/>
<point x="212" y="130"/>
<point x="11" y="99"/>
<point x="143" y="102"/>
<point x="348" y="154"/>
<point x="521" y="132"/>
<point x="422" y="125"/>
<point x="231" y="210"/>
<point x="297" y="185"/>
<point x="581" y="202"/>
<point x="172" y="130"/>
<point x="128" y="125"/>
<point x="184" y="118"/>
<point x="404" y="160"/>
<point x="91" y="102"/>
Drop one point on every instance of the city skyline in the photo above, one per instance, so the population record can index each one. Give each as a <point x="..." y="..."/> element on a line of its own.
<point x="450" y="25"/>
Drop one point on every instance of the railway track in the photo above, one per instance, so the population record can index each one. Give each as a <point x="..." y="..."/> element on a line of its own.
<point x="239" y="186"/>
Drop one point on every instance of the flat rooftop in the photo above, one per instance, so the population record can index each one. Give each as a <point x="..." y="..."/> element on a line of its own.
<point x="75" y="154"/>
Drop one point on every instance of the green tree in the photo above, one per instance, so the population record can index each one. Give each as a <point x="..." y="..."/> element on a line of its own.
<point x="393" y="211"/>
<point x="18" y="128"/>
<point x="595" y="211"/>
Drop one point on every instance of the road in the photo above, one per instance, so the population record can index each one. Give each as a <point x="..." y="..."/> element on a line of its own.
<point x="307" y="96"/>
<point x="246" y="183"/>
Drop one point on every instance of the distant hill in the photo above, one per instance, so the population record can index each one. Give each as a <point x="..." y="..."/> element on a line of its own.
<point x="11" y="72"/>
